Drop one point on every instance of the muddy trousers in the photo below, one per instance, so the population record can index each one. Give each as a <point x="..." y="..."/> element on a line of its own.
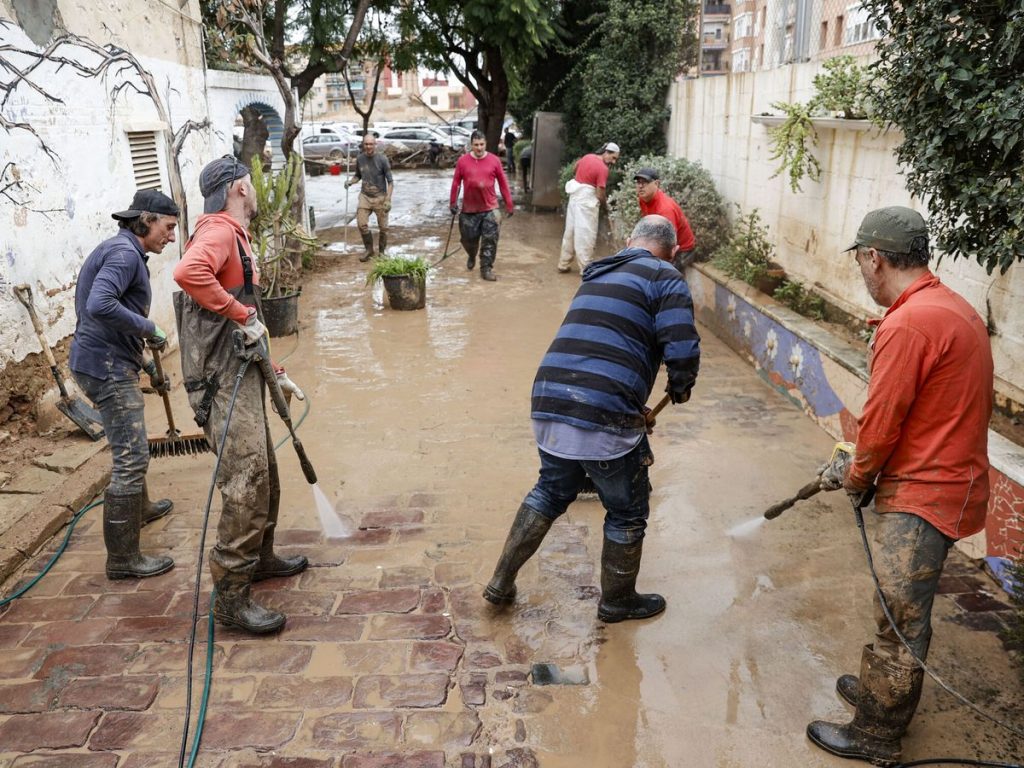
<point x="247" y="479"/>
<point x="374" y="205"/>
<point x="479" y="233"/>
<point x="122" y="409"/>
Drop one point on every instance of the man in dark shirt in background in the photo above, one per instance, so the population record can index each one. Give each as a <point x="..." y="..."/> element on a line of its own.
<point x="112" y="302"/>
<point x="374" y="171"/>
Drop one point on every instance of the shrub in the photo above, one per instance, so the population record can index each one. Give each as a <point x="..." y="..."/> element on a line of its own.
<point x="1015" y="632"/>
<point x="748" y="253"/>
<point x="689" y="185"/>
<point x="800" y="300"/>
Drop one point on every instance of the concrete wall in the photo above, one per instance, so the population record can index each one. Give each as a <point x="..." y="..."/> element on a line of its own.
<point x="712" y="124"/>
<point x="61" y="210"/>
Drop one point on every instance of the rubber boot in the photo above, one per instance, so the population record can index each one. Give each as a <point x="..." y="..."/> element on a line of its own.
<point x="382" y="246"/>
<point x="153" y="510"/>
<point x="233" y="607"/>
<point x="886" y="701"/>
<point x="486" y="273"/>
<point x="848" y="688"/>
<point x="524" y="537"/>
<point x="122" y="519"/>
<point x="620" y="564"/>
<point x="368" y="243"/>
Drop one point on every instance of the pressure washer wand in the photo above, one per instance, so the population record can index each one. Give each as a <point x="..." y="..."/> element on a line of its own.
<point x="260" y="354"/>
<point x="806" y="492"/>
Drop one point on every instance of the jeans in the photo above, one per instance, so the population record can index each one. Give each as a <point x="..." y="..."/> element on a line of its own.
<point x="909" y="553"/>
<point x="622" y="485"/>
<point x="477" y="227"/>
<point x="121" y="406"/>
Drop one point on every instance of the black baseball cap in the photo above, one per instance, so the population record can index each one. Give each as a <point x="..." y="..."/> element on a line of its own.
<point x="215" y="178"/>
<point x="647" y="174"/>
<point x="148" y="201"/>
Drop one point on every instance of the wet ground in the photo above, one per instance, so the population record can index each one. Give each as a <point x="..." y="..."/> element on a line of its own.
<point x="418" y="427"/>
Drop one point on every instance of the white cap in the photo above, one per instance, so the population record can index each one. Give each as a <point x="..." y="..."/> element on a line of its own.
<point x="611" y="146"/>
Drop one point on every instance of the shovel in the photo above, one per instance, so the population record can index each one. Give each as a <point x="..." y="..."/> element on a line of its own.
<point x="84" y="416"/>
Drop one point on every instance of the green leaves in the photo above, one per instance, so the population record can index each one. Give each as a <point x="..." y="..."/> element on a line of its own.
<point x="948" y="76"/>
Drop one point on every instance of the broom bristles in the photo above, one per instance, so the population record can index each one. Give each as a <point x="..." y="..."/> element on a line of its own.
<point x="162" y="447"/>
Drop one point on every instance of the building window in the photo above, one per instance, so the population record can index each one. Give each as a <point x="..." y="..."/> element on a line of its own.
<point x="145" y="161"/>
<point x="433" y="101"/>
<point x="744" y="25"/>
<point x="823" y="40"/>
<point x="455" y="101"/>
<point x="859" y="26"/>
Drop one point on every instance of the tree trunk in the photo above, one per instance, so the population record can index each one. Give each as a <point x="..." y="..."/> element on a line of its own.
<point x="255" y="135"/>
<point x="494" y="90"/>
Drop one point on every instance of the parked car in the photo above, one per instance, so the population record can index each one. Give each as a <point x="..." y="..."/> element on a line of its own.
<point x="329" y="146"/>
<point x="451" y="129"/>
<point x="420" y="138"/>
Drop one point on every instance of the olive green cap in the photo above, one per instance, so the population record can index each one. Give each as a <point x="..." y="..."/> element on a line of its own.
<point x="890" y="229"/>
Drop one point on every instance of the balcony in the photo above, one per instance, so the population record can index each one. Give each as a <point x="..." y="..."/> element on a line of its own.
<point x="712" y="43"/>
<point x="711" y="12"/>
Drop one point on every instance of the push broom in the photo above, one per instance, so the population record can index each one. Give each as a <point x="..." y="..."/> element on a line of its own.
<point x="174" y="443"/>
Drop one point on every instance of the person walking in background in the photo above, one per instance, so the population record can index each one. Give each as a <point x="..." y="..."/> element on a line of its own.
<point x="510" y="158"/>
<point x="374" y="171"/>
<point x="654" y="201"/>
<point x="525" y="159"/>
<point x="477" y="172"/>
<point x="112" y="300"/>
<point x="632" y="312"/>
<point x="587" y="194"/>
<point x="922" y="443"/>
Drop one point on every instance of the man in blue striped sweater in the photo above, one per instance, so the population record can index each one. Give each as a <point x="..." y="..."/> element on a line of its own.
<point x="632" y="311"/>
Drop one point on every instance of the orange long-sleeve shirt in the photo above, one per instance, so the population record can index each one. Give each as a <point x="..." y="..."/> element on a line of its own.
<point x="924" y="429"/>
<point x="663" y="205"/>
<point x="211" y="265"/>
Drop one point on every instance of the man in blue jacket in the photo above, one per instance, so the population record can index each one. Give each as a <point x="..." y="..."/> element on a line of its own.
<point x="632" y="311"/>
<point x="112" y="302"/>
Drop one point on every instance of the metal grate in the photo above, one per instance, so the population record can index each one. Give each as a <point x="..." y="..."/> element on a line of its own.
<point x="145" y="160"/>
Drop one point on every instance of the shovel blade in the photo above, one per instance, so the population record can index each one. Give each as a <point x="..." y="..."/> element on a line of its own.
<point x="84" y="416"/>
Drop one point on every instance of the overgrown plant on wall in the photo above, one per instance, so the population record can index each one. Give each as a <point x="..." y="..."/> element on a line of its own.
<point x="841" y="90"/>
<point x="948" y="76"/>
<point x="685" y="182"/>
<point x="748" y="254"/>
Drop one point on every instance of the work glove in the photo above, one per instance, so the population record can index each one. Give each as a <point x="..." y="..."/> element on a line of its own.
<point x="289" y="387"/>
<point x="678" y="396"/>
<point x="834" y="472"/>
<point x="861" y="497"/>
<point x="253" y="329"/>
<point x="386" y="205"/>
<point x="349" y="183"/>
<point x="158" y="383"/>
<point x="157" y="339"/>
<point x="510" y="212"/>
<point x="649" y="421"/>
<point x="454" y="209"/>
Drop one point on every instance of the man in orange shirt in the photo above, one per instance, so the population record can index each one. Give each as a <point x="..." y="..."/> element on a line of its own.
<point x="220" y="294"/>
<point x="923" y="443"/>
<point x="653" y="201"/>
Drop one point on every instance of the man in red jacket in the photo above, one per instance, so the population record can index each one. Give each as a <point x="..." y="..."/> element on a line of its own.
<point x="477" y="173"/>
<point x="923" y="443"/>
<point x="220" y="294"/>
<point x="653" y="201"/>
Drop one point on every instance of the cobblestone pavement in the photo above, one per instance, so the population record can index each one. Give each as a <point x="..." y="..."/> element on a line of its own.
<point x="419" y="430"/>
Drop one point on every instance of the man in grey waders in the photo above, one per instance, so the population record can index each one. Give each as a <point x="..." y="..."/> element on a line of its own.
<point x="220" y="294"/>
<point x="632" y="311"/>
<point x="112" y="301"/>
<point x="374" y="171"/>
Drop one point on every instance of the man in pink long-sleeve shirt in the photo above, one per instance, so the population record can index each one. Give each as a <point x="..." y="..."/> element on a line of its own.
<point x="478" y="224"/>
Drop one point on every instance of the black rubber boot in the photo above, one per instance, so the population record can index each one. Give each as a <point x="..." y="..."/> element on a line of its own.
<point x="122" y="519"/>
<point x="154" y="510"/>
<point x="524" y="537"/>
<point x="487" y="274"/>
<point x="368" y="243"/>
<point x="471" y="261"/>
<point x="382" y="245"/>
<point x="848" y="688"/>
<point x="620" y="564"/>
<point x="233" y="607"/>
<point x="887" y="698"/>
<point x="273" y="566"/>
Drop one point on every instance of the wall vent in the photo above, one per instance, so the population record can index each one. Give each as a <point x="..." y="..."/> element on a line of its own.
<point x="145" y="161"/>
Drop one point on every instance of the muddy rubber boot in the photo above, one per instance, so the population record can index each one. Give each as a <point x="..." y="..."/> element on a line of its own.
<point x="848" y="688"/>
<point x="620" y="564"/>
<point x="233" y="607"/>
<point x="122" y="519"/>
<point x="524" y="537"/>
<point x="382" y="245"/>
<point x="486" y="273"/>
<point x="153" y="510"/>
<point x="887" y="698"/>
<point x="368" y="243"/>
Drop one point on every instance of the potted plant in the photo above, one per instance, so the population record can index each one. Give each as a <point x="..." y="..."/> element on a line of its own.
<point x="280" y="244"/>
<point x="405" y="280"/>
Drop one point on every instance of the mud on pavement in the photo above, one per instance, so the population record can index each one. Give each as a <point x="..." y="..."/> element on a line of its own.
<point x="418" y="426"/>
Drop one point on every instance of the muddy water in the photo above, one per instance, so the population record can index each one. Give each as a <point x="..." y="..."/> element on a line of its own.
<point x="430" y="410"/>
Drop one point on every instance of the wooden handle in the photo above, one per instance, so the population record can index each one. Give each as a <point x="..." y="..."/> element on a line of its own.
<point x="659" y="407"/>
<point x="172" y="430"/>
<point x="26" y="300"/>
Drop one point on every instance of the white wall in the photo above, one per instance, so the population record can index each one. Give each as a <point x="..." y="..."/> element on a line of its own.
<point x="711" y="124"/>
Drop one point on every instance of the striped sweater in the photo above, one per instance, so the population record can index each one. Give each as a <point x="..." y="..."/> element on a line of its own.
<point x="631" y="312"/>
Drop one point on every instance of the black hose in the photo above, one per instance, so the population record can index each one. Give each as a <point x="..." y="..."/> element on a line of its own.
<point x="956" y="694"/>
<point x="199" y="567"/>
